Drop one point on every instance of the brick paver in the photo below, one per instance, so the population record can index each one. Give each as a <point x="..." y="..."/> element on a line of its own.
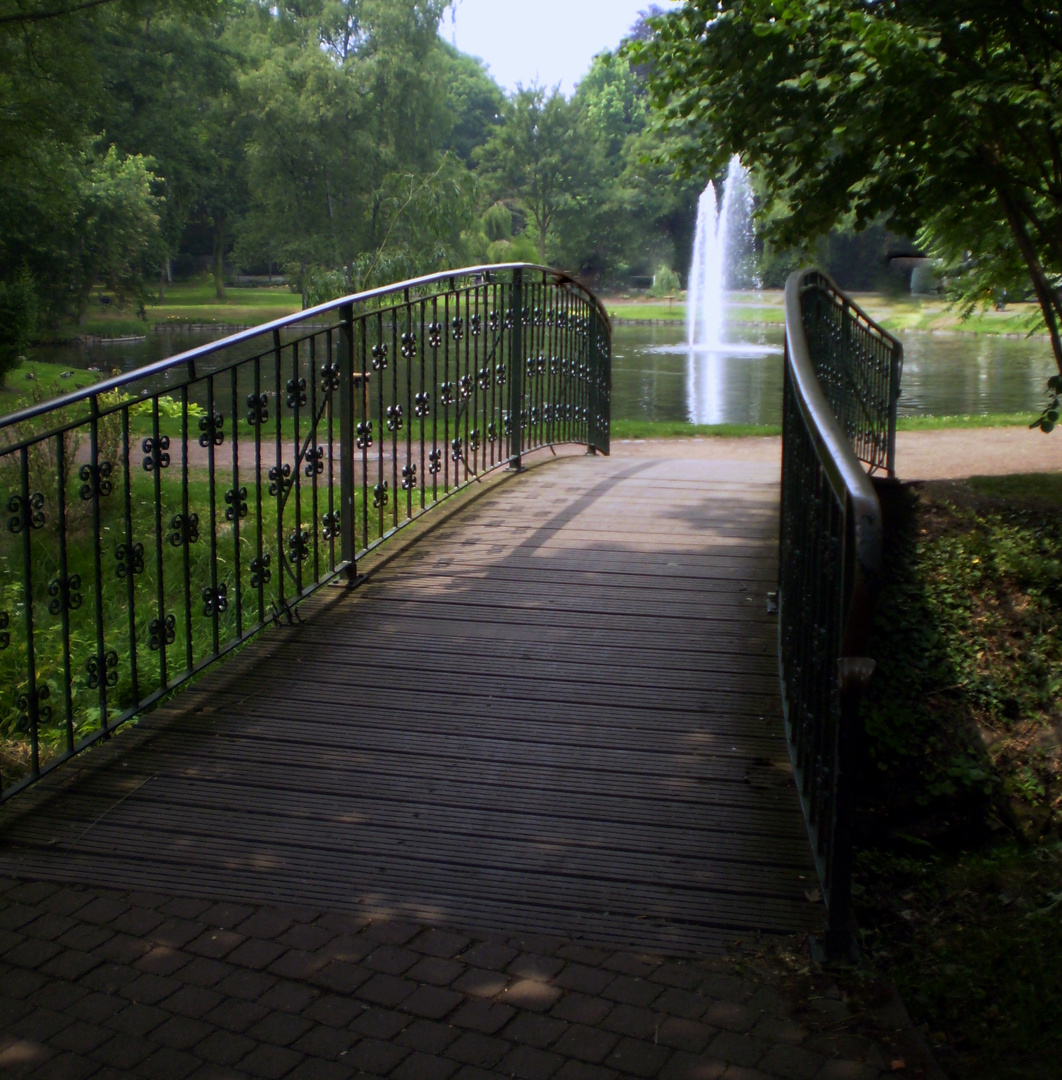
<point x="98" y="983"/>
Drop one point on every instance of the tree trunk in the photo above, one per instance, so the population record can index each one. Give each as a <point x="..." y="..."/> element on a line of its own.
<point x="219" y="256"/>
<point x="165" y="277"/>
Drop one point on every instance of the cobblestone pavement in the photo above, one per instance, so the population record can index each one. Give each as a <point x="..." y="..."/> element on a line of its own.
<point x="105" y="983"/>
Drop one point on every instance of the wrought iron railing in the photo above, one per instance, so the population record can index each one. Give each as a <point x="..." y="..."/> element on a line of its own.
<point x="858" y="366"/>
<point x="839" y="406"/>
<point x="158" y="519"/>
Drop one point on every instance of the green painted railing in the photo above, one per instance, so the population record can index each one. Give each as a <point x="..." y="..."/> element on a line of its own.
<point x="157" y="520"/>
<point x="842" y="383"/>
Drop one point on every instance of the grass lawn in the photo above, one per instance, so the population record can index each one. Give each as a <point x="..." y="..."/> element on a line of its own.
<point x="915" y="313"/>
<point x="192" y="302"/>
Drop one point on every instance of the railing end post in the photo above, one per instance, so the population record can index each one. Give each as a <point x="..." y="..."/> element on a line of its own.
<point x="835" y="947"/>
<point x="346" y="444"/>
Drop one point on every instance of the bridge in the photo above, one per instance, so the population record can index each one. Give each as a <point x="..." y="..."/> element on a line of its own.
<point x="502" y="681"/>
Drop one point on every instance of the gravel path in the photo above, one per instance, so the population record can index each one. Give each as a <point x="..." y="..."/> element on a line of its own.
<point x="920" y="455"/>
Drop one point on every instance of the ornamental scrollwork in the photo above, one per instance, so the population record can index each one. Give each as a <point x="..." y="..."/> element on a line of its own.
<point x="279" y="478"/>
<point x="215" y="601"/>
<point x="409" y="476"/>
<point x="331" y="524"/>
<point x="184" y="530"/>
<point x="314" y="461"/>
<point x="26" y="511"/>
<point x="298" y="545"/>
<point x="96" y="480"/>
<point x="155" y="453"/>
<point x="257" y="409"/>
<point x="260" y="572"/>
<point x="130" y="559"/>
<point x="31" y="703"/>
<point x="162" y="632"/>
<point x="65" y="593"/>
<point x="235" y="503"/>
<point x="330" y="378"/>
<point x="212" y="427"/>
<point x="102" y="670"/>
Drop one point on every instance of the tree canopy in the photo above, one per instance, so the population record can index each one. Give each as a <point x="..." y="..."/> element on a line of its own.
<point x="343" y="141"/>
<point x="943" y="117"/>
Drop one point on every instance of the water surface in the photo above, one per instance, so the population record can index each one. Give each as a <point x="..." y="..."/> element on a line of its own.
<point x="656" y="377"/>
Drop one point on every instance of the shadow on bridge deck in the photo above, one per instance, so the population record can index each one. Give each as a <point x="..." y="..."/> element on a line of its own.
<point x="558" y="713"/>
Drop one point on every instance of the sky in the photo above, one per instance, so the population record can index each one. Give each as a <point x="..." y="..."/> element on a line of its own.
<point x="548" y="41"/>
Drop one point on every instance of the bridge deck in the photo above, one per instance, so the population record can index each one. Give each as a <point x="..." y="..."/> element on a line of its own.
<point x="557" y="714"/>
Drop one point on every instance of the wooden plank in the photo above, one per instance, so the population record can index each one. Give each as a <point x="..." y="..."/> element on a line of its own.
<point x="557" y="712"/>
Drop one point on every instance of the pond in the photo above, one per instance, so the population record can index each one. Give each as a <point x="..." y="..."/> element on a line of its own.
<point x="656" y="378"/>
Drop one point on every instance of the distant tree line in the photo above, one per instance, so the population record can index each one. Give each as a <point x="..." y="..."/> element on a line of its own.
<point x="344" y="143"/>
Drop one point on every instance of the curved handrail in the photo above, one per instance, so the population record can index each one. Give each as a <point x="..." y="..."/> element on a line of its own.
<point x="300" y="318"/>
<point x="830" y="554"/>
<point x="861" y="364"/>
<point x="840" y="463"/>
<point x="157" y="519"/>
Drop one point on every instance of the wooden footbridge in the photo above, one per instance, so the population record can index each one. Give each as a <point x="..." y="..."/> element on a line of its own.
<point x="551" y="705"/>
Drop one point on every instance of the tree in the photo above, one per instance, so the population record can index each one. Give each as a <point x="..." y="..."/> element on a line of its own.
<point x="347" y="149"/>
<point x="474" y="102"/>
<point x="533" y="159"/>
<point x="171" y="91"/>
<point x="942" y="117"/>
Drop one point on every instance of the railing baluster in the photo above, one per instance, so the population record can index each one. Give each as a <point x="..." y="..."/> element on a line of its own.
<point x="348" y="523"/>
<point x="516" y="370"/>
<point x="64" y="577"/>
<point x="132" y="559"/>
<point x="509" y="368"/>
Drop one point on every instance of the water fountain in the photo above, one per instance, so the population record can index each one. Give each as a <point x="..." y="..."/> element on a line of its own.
<point x="722" y="236"/>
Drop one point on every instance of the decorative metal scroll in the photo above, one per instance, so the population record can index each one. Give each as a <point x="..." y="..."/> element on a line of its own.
<point x="839" y="401"/>
<point x="158" y="519"/>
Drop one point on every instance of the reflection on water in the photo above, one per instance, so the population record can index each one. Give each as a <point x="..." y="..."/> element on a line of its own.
<point x="656" y="377"/>
<point x="126" y="355"/>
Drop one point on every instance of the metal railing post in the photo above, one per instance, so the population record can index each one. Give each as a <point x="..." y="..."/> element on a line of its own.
<point x="594" y="400"/>
<point x="348" y="543"/>
<point x="516" y="370"/>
